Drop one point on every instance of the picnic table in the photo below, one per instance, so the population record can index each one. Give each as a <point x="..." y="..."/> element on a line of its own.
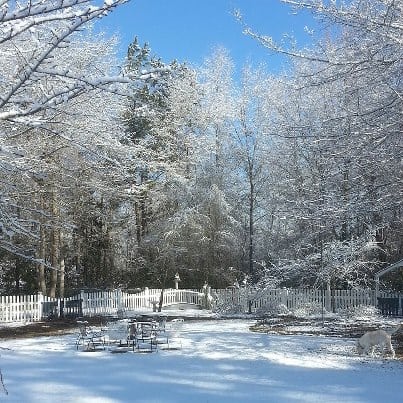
<point x="148" y="333"/>
<point x="141" y="334"/>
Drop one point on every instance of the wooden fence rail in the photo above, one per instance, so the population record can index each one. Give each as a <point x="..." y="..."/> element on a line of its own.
<point x="31" y="308"/>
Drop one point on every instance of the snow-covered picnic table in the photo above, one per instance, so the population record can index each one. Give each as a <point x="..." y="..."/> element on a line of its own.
<point x="140" y="335"/>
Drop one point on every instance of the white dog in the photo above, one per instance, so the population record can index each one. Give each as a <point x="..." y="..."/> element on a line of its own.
<point x="367" y="342"/>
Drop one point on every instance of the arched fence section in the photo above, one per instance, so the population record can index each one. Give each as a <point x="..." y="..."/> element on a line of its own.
<point x="31" y="308"/>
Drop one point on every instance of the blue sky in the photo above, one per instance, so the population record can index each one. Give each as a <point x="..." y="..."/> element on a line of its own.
<point x="189" y="30"/>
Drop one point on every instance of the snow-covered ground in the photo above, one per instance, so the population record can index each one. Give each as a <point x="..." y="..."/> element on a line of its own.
<point x="220" y="361"/>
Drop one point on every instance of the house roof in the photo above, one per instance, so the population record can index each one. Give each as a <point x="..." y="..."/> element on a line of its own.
<point x="388" y="269"/>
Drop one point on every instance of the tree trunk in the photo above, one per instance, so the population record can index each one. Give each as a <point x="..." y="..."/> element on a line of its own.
<point x="161" y="300"/>
<point x="54" y="247"/>
<point x="17" y="274"/>
<point x="42" y="252"/>
<point x="251" y="223"/>
<point x="138" y="222"/>
<point x="62" y="269"/>
<point x="163" y="284"/>
<point x="345" y="197"/>
<point x="143" y="215"/>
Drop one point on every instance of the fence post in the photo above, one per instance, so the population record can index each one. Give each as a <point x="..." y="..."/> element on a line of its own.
<point x="284" y="297"/>
<point x="118" y="304"/>
<point x="40" y="305"/>
<point x="60" y="307"/>
<point x="207" y="299"/>
<point x="328" y="300"/>
<point x="83" y="304"/>
<point x="146" y="297"/>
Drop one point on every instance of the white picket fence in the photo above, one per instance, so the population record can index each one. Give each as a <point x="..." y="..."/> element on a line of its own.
<point x="111" y="302"/>
<point x="20" y="308"/>
<point x="31" y="308"/>
<point x="331" y="300"/>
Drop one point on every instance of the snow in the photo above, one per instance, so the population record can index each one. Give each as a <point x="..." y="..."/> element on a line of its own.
<point x="220" y="361"/>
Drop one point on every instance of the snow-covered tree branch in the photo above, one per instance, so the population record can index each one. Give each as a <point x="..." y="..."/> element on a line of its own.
<point x="338" y="119"/>
<point x="33" y="36"/>
<point x="50" y="67"/>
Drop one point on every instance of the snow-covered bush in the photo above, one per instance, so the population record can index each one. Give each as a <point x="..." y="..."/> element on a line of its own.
<point x="360" y="312"/>
<point x="308" y="309"/>
<point x="226" y="308"/>
<point x="273" y="308"/>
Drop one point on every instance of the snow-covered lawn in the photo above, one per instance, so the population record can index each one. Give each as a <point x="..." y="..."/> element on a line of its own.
<point x="220" y="361"/>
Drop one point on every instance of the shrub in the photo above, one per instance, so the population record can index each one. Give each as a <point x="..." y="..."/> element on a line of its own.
<point x="309" y="309"/>
<point x="362" y="312"/>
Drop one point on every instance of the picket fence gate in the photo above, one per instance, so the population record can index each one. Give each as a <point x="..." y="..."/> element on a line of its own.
<point x="32" y="308"/>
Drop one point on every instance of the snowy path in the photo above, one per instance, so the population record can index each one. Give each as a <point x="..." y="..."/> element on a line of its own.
<point x="221" y="361"/>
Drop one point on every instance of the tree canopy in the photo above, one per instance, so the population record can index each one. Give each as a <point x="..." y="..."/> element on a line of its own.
<point x="123" y="173"/>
